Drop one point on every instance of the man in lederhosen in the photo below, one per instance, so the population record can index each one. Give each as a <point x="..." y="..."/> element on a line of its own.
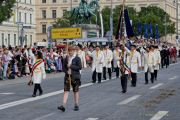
<point x="72" y="66"/>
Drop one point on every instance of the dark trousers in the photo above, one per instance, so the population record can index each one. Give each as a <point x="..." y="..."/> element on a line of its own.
<point x="155" y="74"/>
<point x="117" y="71"/>
<point x="146" y="77"/>
<point x="94" y="76"/>
<point x="124" y="79"/>
<point x="134" y="79"/>
<point x="104" y="72"/>
<point x="37" y="87"/>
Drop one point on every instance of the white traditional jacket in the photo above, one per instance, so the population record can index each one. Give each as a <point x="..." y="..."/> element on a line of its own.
<point x="135" y="61"/>
<point x="149" y="61"/>
<point x="108" y="56"/>
<point x="81" y="55"/>
<point x="39" y="74"/>
<point x="157" y="59"/>
<point x="98" y="59"/>
<point x="116" y="58"/>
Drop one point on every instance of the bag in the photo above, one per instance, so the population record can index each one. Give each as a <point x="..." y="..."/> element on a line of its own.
<point x="30" y="83"/>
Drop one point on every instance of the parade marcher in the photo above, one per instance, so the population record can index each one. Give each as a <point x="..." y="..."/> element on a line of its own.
<point x="97" y="64"/>
<point x="81" y="54"/>
<point x="116" y="58"/>
<point x="38" y="73"/>
<point x="71" y="66"/>
<point x="149" y="64"/>
<point x="135" y="61"/>
<point x="108" y="56"/>
<point x="157" y="61"/>
<point x="124" y="64"/>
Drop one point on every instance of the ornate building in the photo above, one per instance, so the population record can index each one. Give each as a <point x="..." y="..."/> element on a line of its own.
<point x="49" y="10"/>
<point x="20" y="26"/>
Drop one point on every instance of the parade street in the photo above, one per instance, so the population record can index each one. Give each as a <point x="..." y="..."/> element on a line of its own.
<point x="158" y="101"/>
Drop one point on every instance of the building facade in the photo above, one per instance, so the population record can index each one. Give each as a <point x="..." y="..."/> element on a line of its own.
<point x="49" y="10"/>
<point x="20" y="28"/>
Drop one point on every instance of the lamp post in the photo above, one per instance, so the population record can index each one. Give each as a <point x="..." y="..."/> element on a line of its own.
<point x="165" y="21"/>
<point x="177" y="19"/>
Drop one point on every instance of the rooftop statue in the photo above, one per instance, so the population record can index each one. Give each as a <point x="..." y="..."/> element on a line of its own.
<point x="85" y="11"/>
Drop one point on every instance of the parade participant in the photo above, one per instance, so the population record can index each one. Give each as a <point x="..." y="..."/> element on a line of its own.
<point x="116" y="58"/>
<point x="108" y="56"/>
<point x="135" y="61"/>
<point x="81" y="54"/>
<point x="157" y="61"/>
<point x="71" y="66"/>
<point x="149" y="63"/>
<point x="124" y="67"/>
<point x="38" y="73"/>
<point x="97" y="63"/>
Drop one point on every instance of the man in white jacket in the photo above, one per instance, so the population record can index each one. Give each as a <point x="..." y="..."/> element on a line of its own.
<point x="116" y="58"/>
<point x="157" y="61"/>
<point x="97" y="64"/>
<point x="108" y="56"/>
<point x="149" y="63"/>
<point x="135" y="61"/>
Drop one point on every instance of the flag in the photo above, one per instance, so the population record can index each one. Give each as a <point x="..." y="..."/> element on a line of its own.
<point x="129" y="29"/>
<point x="146" y="36"/>
<point x="119" y="27"/>
<point x="151" y="30"/>
<point x="139" y="28"/>
<point x="157" y="33"/>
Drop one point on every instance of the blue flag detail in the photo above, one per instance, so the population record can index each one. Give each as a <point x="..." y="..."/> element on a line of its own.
<point x="151" y="30"/>
<point x="157" y="33"/>
<point x="129" y="29"/>
<point x="146" y="35"/>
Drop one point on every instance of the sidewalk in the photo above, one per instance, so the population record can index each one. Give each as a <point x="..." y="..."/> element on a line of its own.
<point x="27" y="78"/>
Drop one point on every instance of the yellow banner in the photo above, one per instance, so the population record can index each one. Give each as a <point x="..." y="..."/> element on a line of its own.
<point x="66" y="33"/>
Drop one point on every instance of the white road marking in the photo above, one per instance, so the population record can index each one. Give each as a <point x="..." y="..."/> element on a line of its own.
<point x="23" y="101"/>
<point x="45" y="116"/>
<point x="156" y="86"/>
<point x="6" y="93"/>
<point x="92" y="119"/>
<point x="128" y="100"/>
<point x="159" y="115"/>
<point x="173" y="78"/>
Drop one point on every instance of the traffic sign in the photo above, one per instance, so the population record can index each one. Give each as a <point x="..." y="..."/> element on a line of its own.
<point x="66" y="33"/>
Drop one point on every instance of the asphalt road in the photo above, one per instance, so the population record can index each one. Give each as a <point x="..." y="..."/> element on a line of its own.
<point x="158" y="101"/>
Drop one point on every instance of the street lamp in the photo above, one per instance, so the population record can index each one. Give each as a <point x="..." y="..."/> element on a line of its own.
<point x="165" y="21"/>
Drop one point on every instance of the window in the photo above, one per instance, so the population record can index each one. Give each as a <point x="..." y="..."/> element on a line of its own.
<point x="14" y="39"/>
<point x="44" y="14"/>
<point x="24" y="1"/>
<point x="54" y="1"/>
<point x="30" y="18"/>
<point x="43" y="1"/>
<point x="75" y="0"/>
<point x="31" y="40"/>
<point x="2" y="35"/>
<point x="53" y="13"/>
<point x="64" y="11"/>
<point x="25" y="18"/>
<point x="64" y="1"/>
<point x="30" y="1"/>
<point x="19" y="16"/>
<point x="9" y="39"/>
<point x="43" y="28"/>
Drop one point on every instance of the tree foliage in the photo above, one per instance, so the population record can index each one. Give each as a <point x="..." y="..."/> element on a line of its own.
<point x="6" y="9"/>
<point x="147" y="15"/>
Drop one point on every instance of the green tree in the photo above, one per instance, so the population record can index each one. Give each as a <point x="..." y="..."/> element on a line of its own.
<point x="6" y="9"/>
